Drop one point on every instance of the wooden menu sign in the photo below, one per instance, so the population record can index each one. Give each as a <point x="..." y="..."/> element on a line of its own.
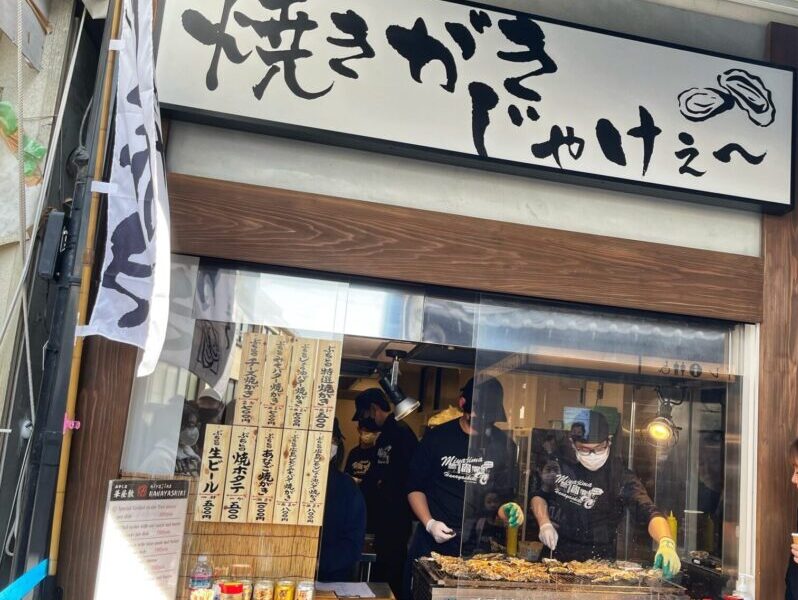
<point x="264" y="479"/>
<point x="253" y="351"/>
<point x="275" y="381"/>
<point x="210" y="491"/>
<point x="314" y="480"/>
<point x="325" y="390"/>
<point x="239" y="474"/>
<point x="289" y="480"/>
<point x="300" y="388"/>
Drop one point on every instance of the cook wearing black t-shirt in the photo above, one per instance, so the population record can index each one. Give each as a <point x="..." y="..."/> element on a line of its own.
<point x="447" y="480"/>
<point x="361" y="466"/>
<point x="394" y="448"/>
<point x="580" y="504"/>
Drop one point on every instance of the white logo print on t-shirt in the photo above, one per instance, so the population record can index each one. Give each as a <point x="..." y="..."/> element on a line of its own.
<point x="470" y="470"/>
<point x="577" y="491"/>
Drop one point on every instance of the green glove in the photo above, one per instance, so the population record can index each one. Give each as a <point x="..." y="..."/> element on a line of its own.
<point x="667" y="559"/>
<point x="512" y="514"/>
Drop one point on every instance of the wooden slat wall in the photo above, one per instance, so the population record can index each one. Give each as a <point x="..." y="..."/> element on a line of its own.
<point x="272" y="550"/>
<point x="778" y="388"/>
<point x="294" y="229"/>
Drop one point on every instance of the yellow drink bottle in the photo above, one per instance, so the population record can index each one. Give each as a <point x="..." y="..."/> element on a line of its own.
<point x="674" y="526"/>
<point x="512" y="541"/>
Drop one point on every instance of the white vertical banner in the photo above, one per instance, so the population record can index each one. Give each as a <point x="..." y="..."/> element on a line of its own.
<point x="133" y="300"/>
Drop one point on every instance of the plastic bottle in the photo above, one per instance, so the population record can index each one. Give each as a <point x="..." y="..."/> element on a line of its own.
<point x="512" y="541"/>
<point x="674" y="526"/>
<point x="201" y="576"/>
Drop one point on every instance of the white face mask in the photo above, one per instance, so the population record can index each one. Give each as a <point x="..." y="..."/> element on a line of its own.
<point x="593" y="461"/>
<point x="189" y="436"/>
<point x="333" y="451"/>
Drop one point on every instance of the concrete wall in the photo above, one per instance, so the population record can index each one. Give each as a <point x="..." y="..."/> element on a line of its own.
<point x="40" y="95"/>
<point x="262" y="160"/>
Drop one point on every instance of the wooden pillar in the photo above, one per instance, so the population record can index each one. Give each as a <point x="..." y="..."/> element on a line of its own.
<point x="105" y="382"/>
<point x="778" y="388"/>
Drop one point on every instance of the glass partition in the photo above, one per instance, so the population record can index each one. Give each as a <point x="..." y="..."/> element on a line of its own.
<point x="609" y="430"/>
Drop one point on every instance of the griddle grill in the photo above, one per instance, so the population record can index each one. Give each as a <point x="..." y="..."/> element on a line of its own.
<point x="431" y="583"/>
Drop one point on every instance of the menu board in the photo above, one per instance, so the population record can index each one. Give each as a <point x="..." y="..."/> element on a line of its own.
<point x="253" y="352"/>
<point x="300" y="388"/>
<point x="275" y="375"/>
<point x="314" y="480"/>
<point x="289" y="479"/>
<point x="275" y="472"/>
<point x="210" y="490"/>
<point x="264" y="479"/>
<point x="239" y="474"/>
<point x="325" y="389"/>
<point x="142" y="539"/>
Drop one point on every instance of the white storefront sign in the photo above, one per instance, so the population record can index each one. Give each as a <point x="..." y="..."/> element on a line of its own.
<point x="483" y="87"/>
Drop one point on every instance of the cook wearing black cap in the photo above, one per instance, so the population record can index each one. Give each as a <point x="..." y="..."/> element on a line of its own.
<point x="581" y="501"/>
<point x="469" y="450"/>
<point x="395" y="447"/>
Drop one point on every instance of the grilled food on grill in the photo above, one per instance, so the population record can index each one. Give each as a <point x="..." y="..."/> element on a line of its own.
<point x="497" y="567"/>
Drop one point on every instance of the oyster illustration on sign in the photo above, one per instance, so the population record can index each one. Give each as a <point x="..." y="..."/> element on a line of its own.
<point x="739" y="87"/>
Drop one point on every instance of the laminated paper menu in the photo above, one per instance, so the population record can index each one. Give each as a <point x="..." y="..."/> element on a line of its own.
<point x="142" y="539"/>
<point x="210" y="491"/>
<point x="314" y="481"/>
<point x="289" y="480"/>
<point x="253" y="352"/>
<point x="264" y="479"/>
<point x="300" y="384"/>
<point x="239" y="474"/>
<point x="325" y="389"/>
<point x="275" y="381"/>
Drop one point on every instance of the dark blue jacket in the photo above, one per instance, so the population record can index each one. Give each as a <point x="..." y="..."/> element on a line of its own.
<point x="792" y="580"/>
<point x="343" y="530"/>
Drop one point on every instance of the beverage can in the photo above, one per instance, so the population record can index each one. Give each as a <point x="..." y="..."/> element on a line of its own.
<point x="305" y="590"/>
<point x="264" y="590"/>
<point x="284" y="590"/>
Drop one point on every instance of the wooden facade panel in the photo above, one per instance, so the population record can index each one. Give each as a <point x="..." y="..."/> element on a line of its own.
<point x="778" y="387"/>
<point x="102" y="409"/>
<point x="300" y="230"/>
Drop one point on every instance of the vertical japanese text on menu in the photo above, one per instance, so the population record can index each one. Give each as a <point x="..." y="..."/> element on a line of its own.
<point x="325" y="390"/>
<point x="264" y="479"/>
<point x="250" y="384"/>
<point x="239" y="474"/>
<point x="276" y="372"/>
<point x="300" y="388"/>
<point x="210" y="489"/>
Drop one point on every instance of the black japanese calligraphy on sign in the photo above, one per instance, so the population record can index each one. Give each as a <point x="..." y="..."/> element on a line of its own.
<point x="557" y="140"/>
<point x="514" y="78"/>
<point x="205" y="32"/>
<point x="276" y="58"/>
<point x="353" y="25"/>
<point x="419" y="48"/>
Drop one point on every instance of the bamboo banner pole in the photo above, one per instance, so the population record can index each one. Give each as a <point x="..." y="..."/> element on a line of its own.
<point x="85" y="283"/>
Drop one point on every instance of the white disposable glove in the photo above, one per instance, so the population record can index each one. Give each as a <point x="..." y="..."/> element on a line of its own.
<point x="439" y="531"/>
<point x="549" y="536"/>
